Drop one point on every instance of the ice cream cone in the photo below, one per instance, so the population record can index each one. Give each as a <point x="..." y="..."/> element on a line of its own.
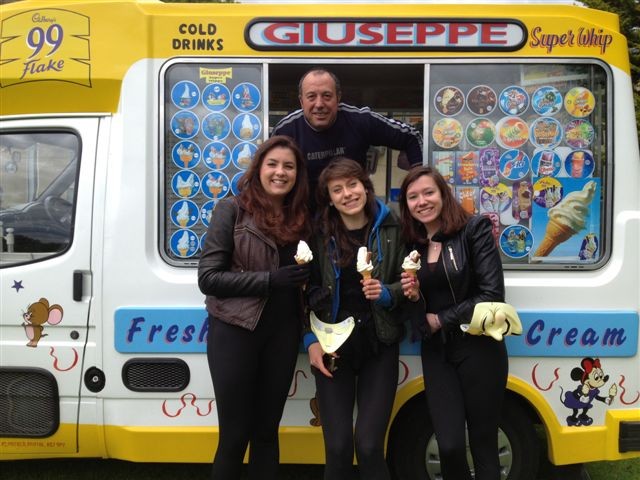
<point x="183" y="251"/>
<point x="184" y="191"/>
<point x="555" y="234"/>
<point x="411" y="271"/>
<point x="366" y="275"/>
<point x="183" y="221"/>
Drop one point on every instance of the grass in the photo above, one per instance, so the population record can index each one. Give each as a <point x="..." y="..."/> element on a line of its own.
<point x="97" y="469"/>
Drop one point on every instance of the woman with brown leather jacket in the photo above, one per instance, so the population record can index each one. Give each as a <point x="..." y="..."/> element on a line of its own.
<point x="465" y="375"/>
<point x="254" y="300"/>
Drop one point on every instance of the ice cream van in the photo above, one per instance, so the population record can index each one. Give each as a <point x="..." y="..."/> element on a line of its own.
<point x="123" y="122"/>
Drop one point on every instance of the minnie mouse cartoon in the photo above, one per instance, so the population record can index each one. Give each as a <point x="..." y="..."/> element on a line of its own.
<point x="591" y="378"/>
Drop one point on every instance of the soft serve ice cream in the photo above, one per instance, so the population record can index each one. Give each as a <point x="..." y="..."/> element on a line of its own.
<point x="567" y="218"/>
<point x="363" y="263"/>
<point x="411" y="263"/>
<point x="303" y="254"/>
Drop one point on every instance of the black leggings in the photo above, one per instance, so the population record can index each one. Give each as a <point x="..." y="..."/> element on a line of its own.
<point x="469" y="375"/>
<point x="252" y="374"/>
<point x="373" y="385"/>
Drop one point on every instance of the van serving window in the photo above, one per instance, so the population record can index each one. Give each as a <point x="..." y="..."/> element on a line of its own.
<point x="524" y="144"/>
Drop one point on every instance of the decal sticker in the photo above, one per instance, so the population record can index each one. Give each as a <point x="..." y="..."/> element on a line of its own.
<point x="246" y="97"/>
<point x="481" y="132"/>
<point x="579" y="164"/>
<point x="216" y="155"/>
<point x="37" y="315"/>
<point x="184" y="243"/>
<point x="185" y="124"/>
<point x="185" y="94"/>
<point x="481" y="100"/>
<point x="215" y="185"/>
<point x="246" y="127"/>
<point x="184" y="213"/>
<point x="449" y="101"/>
<point x="216" y="97"/>
<point x="579" y="133"/>
<point x="185" y="183"/>
<point x="546" y="100"/>
<point x="447" y="133"/>
<point x="186" y="154"/>
<point x="512" y="132"/>
<point x="579" y="102"/>
<point x="546" y="132"/>
<point x="242" y="154"/>
<point x="516" y="241"/>
<point x="216" y="126"/>
<point x="546" y="163"/>
<point x="514" y="100"/>
<point x="591" y="380"/>
<point x="514" y="164"/>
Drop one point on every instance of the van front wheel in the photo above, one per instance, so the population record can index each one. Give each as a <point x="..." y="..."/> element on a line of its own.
<point x="413" y="449"/>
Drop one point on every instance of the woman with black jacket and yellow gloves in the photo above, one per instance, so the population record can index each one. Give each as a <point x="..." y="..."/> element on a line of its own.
<point x="465" y="375"/>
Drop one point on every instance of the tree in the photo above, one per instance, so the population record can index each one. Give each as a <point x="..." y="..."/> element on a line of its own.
<point x="629" y="13"/>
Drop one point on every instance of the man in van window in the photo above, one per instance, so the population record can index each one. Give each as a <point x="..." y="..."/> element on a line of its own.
<point x="324" y="128"/>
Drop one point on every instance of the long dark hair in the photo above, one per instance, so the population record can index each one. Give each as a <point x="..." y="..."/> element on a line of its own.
<point x="452" y="218"/>
<point x="331" y="224"/>
<point x="293" y="224"/>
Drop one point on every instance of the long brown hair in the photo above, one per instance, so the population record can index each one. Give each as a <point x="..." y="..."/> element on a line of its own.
<point x="293" y="224"/>
<point x="452" y="218"/>
<point x="331" y="223"/>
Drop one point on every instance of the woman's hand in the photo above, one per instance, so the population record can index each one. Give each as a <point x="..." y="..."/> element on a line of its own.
<point x="434" y="322"/>
<point x="410" y="286"/>
<point x="316" y="355"/>
<point x="372" y="288"/>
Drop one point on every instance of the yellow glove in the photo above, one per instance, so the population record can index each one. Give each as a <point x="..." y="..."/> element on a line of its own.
<point x="494" y="319"/>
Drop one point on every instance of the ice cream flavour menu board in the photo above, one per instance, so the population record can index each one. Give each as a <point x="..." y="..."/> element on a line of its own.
<point x="522" y="144"/>
<point x="213" y="122"/>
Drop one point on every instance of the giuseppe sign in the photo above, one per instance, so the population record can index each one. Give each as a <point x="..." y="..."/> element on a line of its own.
<point x="388" y="34"/>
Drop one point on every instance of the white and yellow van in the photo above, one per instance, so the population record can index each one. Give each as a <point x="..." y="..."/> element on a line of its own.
<point x="123" y="122"/>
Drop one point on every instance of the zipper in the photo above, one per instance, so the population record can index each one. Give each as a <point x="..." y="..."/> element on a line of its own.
<point x="453" y="258"/>
<point x="446" y="272"/>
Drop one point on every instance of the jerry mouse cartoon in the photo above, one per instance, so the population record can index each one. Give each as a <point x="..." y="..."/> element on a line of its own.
<point x="37" y="314"/>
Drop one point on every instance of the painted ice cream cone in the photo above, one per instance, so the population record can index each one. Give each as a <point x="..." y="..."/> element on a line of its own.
<point x="183" y="214"/>
<point x="183" y="244"/>
<point x="555" y="234"/>
<point x="566" y="219"/>
<point x="185" y="187"/>
<point x="185" y="154"/>
<point x="246" y="129"/>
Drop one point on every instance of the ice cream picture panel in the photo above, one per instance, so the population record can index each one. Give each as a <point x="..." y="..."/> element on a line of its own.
<point x="527" y="148"/>
<point x="213" y="117"/>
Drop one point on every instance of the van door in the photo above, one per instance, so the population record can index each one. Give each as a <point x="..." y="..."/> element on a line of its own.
<point x="46" y="188"/>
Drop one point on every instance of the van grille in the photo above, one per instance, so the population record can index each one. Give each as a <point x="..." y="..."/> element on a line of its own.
<point x="156" y="374"/>
<point x="29" y="403"/>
